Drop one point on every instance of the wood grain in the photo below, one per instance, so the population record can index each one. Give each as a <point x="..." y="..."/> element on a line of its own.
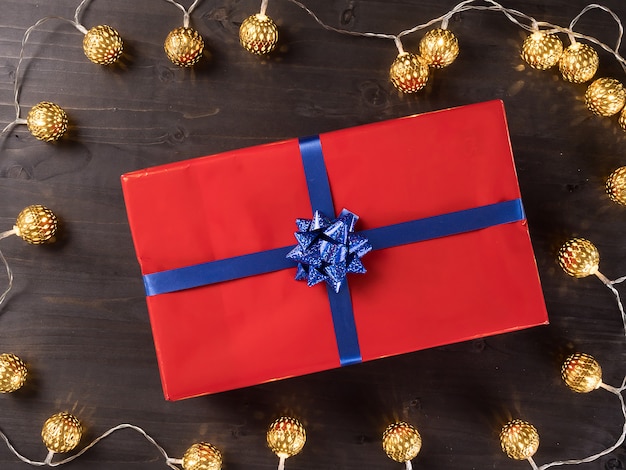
<point x="77" y="313"/>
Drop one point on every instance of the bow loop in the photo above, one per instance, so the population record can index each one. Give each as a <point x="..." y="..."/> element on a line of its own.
<point x="328" y="249"/>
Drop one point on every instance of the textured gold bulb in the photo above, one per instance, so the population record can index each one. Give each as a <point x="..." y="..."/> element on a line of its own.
<point x="202" y="456"/>
<point x="439" y="47"/>
<point x="409" y="72"/>
<point x="46" y="121"/>
<point x="36" y="224"/>
<point x="401" y="442"/>
<point x="519" y="440"/>
<point x="286" y="437"/>
<point x="582" y="373"/>
<point x="579" y="257"/>
<point x="184" y="46"/>
<point x="616" y="185"/>
<point x="605" y="96"/>
<point x="61" y="432"/>
<point x="12" y="373"/>
<point x="103" y="45"/>
<point x="578" y="63"/>
<point x="258" y="34"/>
<point x="542" y="51"/>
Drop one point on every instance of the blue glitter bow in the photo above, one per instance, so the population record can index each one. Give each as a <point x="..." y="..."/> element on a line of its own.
<point x="328" y="249"/>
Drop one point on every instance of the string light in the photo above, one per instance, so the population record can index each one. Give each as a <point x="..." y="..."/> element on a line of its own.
<point x="580" y="258"/>
<point x="47" y="121"/>
<point x="35" y="225"/>
<point x="542" y="50"/>
<point x="203" y="455"/>
<point x="582" y="374"/>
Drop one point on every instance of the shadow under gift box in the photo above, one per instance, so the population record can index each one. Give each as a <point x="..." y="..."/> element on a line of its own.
<point x="425" y="170"/>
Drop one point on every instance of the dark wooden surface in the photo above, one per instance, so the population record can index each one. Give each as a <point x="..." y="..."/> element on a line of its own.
<point x="77" y="313"/>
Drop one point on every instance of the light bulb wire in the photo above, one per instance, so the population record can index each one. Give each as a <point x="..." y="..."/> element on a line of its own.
<point x="77" y="13"/>
<point x="608" y="283"/>
<point x="466" y="5"/>
<point x="263" y="7"/>
<point x="17" y="82"/>
<point x="4" y="294"/>
<point x="186" y="11"/>
<point x="618" y="443"/>
<point x="607" y="10"/>
<point x="48" y="461"/>
<point x="491" y="5"/>
<point x="532" y="463"/>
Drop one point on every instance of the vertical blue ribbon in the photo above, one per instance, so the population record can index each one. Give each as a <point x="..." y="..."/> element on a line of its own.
<point x="322" y="200"/>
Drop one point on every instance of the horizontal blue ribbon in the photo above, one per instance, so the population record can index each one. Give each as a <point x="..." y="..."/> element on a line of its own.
<point x="263" y="262"/>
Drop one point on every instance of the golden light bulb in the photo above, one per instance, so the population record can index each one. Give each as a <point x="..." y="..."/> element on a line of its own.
<point x="582" y="373"/>
<point x="578" y="63"/>
<point x="61" y="432"/>
<point x="579" y="257"/>
<point x="103" y="45"/>
<point x="519" y="440"/>
<point x="401" y="442"/>
<point x="184" y="46"/>
<point x="202" y="456"/>
<point x="286" y="437"/>
<point x="605" y="96"/>
<point x="409" y="72"/>
<point x="616" y="185"/>
<point x="439" y="47"/>
<point x="46" y="121"/>
<point x="36" y="225"/>
<point x="258" y="34"/>
<point x="12" y="373"/>
<point x="541" y="50"/>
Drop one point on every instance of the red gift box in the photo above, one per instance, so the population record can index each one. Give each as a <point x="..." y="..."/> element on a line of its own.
<point x="254" y="324"/>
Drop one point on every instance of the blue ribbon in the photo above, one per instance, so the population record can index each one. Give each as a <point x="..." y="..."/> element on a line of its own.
<point x="322" y="200"/>
<point x="263" y="262"/>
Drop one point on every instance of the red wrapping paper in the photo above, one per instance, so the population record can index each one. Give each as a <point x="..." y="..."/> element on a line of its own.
<point x="266" y="327"/>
